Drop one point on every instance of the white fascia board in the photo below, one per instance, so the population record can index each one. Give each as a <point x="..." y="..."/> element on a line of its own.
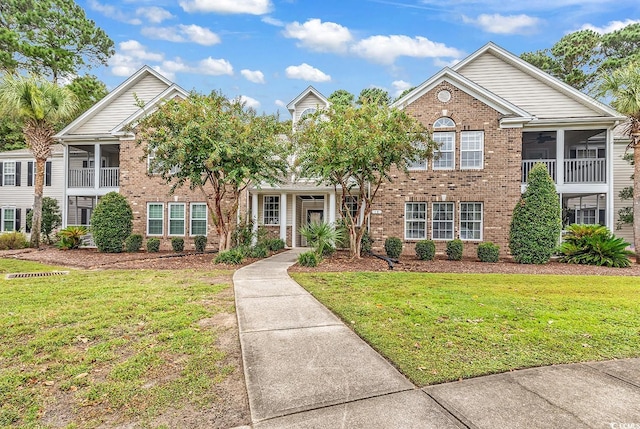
<point x="132" y="80"/>
<point x="539" y="74"/>
<point x="310" y="89"/>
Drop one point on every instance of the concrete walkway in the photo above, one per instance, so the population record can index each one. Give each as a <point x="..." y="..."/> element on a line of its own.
<point x="305" y="369"/>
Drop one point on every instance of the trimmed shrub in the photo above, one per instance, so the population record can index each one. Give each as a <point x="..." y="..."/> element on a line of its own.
<point x="594" y="245"/>
<point x="51" y="217"/>
<point x="537" y="220"/>
<point x="426" y="250"/>
<point x="273" y="244"/>
<point x="71" y="237"/>
<point x="153" y="245"/>
<point x="258" y="251"/>
<point x="309" y="259"/>
<point x="200" y="242"/>
<point x="13" y="240"/>
<point x="111" y="222"/>
<point x="177" y="244"/>
<point x="454" y="249"/>
<point x="393" y="247"/>
<point x="133" y="243"/>
<point x="232" y="257"/>
<point x="488" y="252"/>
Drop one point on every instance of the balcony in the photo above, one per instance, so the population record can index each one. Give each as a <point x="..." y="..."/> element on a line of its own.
<point x="576" y="171"/>
<point x="85" y="177"/>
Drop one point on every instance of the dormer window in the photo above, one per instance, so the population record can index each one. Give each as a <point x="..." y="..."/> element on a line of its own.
<point x="444" y="122"/>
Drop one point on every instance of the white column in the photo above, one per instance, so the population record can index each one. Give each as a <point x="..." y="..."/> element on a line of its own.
<point x="254" y="217"/>
<point x="65" y="204"/>
<point x="283" y="217"/>
<point x="96" y="165"/>
<point x="332" y="208"/>
<point x="560" y="157"/>
<point x="609" y="212"/>
<point x="294" y="227"/>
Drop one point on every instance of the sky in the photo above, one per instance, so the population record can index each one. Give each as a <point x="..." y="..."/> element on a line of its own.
<point x="268" y="51"/>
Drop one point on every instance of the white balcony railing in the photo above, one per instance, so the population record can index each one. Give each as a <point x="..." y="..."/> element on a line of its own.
<point x="81" y="177"/>
<point x="591" y="170"/>
<point x="585" y="170"/>
<point x="85" y="177"/>
<point x="110" y="177"/>
<point x="528" y="164"/>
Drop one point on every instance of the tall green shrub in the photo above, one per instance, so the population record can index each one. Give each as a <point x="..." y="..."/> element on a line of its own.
<point x="111" y="223"/>
<point x="51" y="217"/>
<point x="537" y="220"/>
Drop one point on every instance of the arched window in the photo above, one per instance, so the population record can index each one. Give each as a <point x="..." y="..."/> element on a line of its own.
<point x="307" y="112"/>
<point x="444" y="122"/>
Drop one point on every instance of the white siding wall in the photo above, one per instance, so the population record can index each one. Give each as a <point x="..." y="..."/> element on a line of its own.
<point x="310" y="101"/>
<point x="123" y="106"/>
<point x="622" y="171"/>
<point x="522" y="89"/>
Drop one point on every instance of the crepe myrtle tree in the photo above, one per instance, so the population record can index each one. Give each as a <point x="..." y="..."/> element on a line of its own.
<point x="355" y="148"/>
<point x="216" y="145"/>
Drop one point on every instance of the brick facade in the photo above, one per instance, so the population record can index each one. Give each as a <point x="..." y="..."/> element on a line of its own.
<point x="496" y="185"/>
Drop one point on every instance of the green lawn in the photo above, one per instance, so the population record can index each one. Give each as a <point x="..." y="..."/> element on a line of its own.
<point x="124" y="343"/>
<point x="442" y="327"/>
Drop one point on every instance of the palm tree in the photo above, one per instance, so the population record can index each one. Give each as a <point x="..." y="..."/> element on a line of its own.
<point x="37" y="105"/>
<point x="623" y="86"/>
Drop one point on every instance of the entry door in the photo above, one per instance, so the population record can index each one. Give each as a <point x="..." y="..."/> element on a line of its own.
<point x="315" y="216"/>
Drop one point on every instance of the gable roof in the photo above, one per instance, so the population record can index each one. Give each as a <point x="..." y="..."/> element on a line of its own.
<point x="155" y="84"/>
<point x="495" y="84"/>
<point x="310" y="90"/>
<point x="448" y="75"/>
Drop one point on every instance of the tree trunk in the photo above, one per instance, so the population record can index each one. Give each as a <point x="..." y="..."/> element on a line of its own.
<point x="636" y="195"/>
<point x="36" y="222"/>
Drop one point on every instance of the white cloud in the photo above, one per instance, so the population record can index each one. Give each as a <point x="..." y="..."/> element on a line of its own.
<point x="272" y="21"/>
<point x="138" y="50"/>
<point x="319" y="36"/>
<point x="215" y="67"/>
<point x="154" y="14"/>
<point x="505" y="24"/>
<point x="130" y="56"/>
<point x="306" y="72"/>
<point x="385" y="49"/>
<point x="280" y="103"/>
<point x="249" y="102"/>
<point x="255" y="76"/>
<point x="439" y="62"/>
<point x="183" y="33"/>
<point x="399" y="86"/>
<point x="113" y="12"/>
<point x="251" y="7"/>
<point x="611" y="26"/>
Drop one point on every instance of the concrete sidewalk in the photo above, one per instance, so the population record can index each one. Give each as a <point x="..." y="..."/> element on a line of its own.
<point x="305" y="369"/>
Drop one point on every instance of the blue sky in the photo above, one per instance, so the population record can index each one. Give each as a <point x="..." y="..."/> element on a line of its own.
<point x="268" y="51"/>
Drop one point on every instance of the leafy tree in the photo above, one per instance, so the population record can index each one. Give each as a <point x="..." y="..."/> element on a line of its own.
<point x="537" y="219"/>
<point x="37" y="104"/>
<point x="50" y="37"/>
<point x="623" y="85"/>
<point x="51" y="217"/>
<point x="373" y="96"/>
<point x="625" y="214"/>
<point x="579" y="58"/>
<point x="218" y="146"/>
<point x="342" y="96"/>
<point x="405" y="92"/>
<point x="354" y="149"/>
<point x="11" y="136"/>
<point x="111" y="223"/>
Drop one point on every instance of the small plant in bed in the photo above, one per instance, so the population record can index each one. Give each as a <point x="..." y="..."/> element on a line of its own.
<point x="488" y="252"/>
<point x="177" y="244"/>
<point x="594" y="245"/>
<point x="393" y="247"/>
<point x="426" y="250"/>
<point x="455" y="249"/>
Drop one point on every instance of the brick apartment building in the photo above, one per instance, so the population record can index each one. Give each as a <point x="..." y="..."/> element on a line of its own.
<point x="494" y="115"/>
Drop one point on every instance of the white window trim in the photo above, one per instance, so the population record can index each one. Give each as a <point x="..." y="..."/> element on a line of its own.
<point x="426" y="217"/>
<point x="438" y="126"/>
<point x="481" y="167"/>
<point x="453" y="221"/>
<point x="148" y="207"/>
<point x="481" y="220"/>
<point x="169" y="219"/>
<point x="5" y="174"/>
<point x="264" y="197"/>
<point x="2" y="218"/>
<point x="452" y="151"/>
<point x="191" y="219"/>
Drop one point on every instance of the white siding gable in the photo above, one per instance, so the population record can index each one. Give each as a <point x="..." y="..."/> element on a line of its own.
<point x="310" y="101"/>
<point x="123" y="106"/>
<point x="523" y="89"/>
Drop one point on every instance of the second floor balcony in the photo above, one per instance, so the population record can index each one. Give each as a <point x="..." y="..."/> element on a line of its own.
<point x="575" y="170"/>
<point x="85" y="177"/>
<point x="83" y="171"/>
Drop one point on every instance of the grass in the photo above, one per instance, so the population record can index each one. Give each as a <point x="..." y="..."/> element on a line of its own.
<point x="124" y="342"/>
<point x="442" y="327"/>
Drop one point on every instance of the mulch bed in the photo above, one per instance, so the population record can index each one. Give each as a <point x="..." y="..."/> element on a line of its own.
<point x="340" y="261"/>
